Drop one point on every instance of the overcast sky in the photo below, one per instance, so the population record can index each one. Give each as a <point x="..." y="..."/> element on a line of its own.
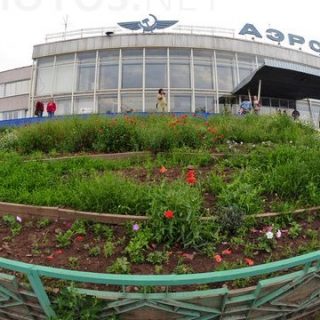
<point x="24" y="23"/>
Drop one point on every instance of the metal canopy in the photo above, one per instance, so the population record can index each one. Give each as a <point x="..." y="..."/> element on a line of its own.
<point x="282" y="80"/>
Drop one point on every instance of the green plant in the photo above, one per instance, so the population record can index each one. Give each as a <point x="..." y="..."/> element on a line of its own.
<point x="94" y="251"/>
<point x="182" y="268"/>
<point x="102" y="230"/>
<point x="79" y="227"/>
<point x="69" y="304"/>
<point x="137" y="245"/>
<point x="43" y="223"/>
<point x="295" y="230"/>
<point x="120" y="266"/>
<point x="108" y="249"/>
<point x="12" y="223"/>
<point x="64" y="239"/>
<point x="73" y="262"/>
<point x="158" y="257"/>
<point x="230" y="219"/>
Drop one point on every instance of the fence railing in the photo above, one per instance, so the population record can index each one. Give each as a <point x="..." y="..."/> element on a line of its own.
<point x="292" y="295"/>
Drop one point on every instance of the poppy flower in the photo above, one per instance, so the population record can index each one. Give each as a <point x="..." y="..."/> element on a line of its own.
<point x="191" y="180"/>
<point x="163" y="170"/>
<point x="218" y="258"/>
<point x="249" y="261"/>
<point x="226" y="252"/>
<point x="169" y="214"/>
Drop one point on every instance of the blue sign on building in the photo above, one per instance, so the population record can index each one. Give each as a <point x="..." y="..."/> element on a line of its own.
<point x="148" y="24"/>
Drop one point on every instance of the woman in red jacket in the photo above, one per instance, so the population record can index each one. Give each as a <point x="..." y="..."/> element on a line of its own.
<point x="51" y="108"/>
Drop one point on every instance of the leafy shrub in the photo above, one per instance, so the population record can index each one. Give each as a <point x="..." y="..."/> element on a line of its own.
<point x="120" y="266"/>
<point x="186" y="203"/>
<point x="230" y="219"/>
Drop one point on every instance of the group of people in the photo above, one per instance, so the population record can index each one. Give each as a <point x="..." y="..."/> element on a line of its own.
<point x="247" y="106"/>
<point x="51" y="108"/>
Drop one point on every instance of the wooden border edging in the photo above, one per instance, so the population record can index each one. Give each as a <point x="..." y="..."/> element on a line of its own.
<point x="69" y="214"/>
<point x="65" y="214"/>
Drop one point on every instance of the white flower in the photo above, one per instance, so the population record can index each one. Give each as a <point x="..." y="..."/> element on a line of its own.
<point x="278" y="234"/>
<point x="19" y="219"/>
<point x="269" y="235"/>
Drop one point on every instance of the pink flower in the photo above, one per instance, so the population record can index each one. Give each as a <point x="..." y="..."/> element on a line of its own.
<point x="163" y="170"/>
<point x="278" y="234"/>
<point x="58" y="252"/>
<point x="135" y="227"/>
<point x="218" y="258"/>
<point x="169" y="214"/>
<point x="226" y="252"/>
<point x="249" y="261"/>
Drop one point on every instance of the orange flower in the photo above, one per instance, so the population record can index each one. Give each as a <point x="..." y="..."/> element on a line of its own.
<point x="218" y="258"/>
<point x="163" y="170"/>
<point x="226" y="252"/>
<point x="249" y="262"/>
<point x="169" y="214"/>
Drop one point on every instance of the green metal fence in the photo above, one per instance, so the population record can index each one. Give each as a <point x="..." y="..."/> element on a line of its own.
<point x="287" y="289"/>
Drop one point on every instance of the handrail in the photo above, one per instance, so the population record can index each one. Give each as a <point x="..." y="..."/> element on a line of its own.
<point x="89" y="32"/>
<point x="168" y="280"/>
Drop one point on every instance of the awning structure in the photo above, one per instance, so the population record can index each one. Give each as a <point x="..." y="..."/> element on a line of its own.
<point x="282" y="80"/>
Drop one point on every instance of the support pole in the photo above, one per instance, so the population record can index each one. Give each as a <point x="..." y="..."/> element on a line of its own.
<point x="259" y="90"/>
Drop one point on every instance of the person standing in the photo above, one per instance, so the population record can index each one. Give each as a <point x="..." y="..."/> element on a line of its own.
<point x="161" y="101"/>
<point x="51" y="108"/>
<point x="39" y="108"/>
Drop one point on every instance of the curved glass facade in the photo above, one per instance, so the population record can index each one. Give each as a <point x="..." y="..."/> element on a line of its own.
<point x="122" y="80"/>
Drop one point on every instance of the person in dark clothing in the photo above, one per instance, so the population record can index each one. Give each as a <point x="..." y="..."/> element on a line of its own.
<point x="295" y="114"/>
<point x="39" y="108"/>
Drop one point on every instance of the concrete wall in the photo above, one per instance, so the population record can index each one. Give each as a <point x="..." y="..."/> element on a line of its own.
<point x="176" y="40"/>
<point x="18" y="74"/>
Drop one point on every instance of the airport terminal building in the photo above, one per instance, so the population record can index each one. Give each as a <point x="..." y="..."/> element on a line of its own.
<point x="112" y="70"/>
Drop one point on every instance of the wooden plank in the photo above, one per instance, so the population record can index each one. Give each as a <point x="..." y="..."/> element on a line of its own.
<point x="65" y="214"/>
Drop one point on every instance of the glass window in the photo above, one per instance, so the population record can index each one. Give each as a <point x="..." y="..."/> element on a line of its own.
<point x="83" y="105"/>
<point x="151" y="101"/>
<point x="226" y="71"/>
<point x="275" y="103"/>
<point x="156" y="68"/>
<point x="15" y="114"/>
<point x="180" y="103"/>
<point x="109" y="69"/>
<point x="63" y="74"/>
<point x="180" y="76"/>
<point x="86" y="71"/>
<point x="132" y="68"/>
<point x="204" y="103"/>
<point x="203" y="76"/>
<point x="108" y="104"/>
<point x="1" y="90"/>
<point x="44" y="76"/>
<point x="63" y="106"/>
<point x="247" y="64"/>
<point x="131" y="102"/>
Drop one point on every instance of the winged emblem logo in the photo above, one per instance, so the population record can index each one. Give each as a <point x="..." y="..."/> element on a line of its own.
<point x="148" y="24"/>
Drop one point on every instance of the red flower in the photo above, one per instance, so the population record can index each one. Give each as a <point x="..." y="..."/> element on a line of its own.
<point x="50" y="257"/>
<point x="169" y="214"/>
<point x="163" y="170"/>
<point x="191" y="180"/>
<point x="249" y="262"/>
<point x="79" y="238"/>
<point x="218" y="258"/>
<point x="226" y="252"/>
<point x="58" y="252"/>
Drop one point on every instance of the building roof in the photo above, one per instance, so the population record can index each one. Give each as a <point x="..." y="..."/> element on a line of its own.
<point x="281" y="79"/>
